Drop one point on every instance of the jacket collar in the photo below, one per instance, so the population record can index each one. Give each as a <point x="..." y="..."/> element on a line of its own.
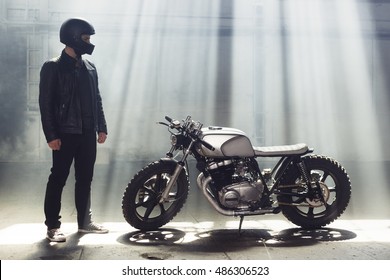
<point x="69" y="63"/>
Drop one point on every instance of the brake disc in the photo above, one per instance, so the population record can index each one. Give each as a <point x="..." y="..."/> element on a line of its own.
<point x="317" y="202"/>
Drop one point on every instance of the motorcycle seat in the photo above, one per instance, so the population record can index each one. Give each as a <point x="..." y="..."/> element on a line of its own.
<point x="284" y="150"/>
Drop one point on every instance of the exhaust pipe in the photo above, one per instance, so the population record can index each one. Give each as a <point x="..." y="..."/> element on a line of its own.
<point x="203" y="184"/>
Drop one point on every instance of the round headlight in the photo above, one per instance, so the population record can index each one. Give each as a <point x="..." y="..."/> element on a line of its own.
<point x="173" y="140"/>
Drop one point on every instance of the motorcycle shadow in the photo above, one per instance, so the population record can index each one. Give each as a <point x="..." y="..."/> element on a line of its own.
<point x="221" y="240"/>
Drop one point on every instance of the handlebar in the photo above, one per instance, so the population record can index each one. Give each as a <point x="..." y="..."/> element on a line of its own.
<point x="176" y="124"/>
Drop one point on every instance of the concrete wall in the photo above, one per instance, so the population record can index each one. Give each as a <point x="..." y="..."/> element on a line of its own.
<point x="232" y="63"/>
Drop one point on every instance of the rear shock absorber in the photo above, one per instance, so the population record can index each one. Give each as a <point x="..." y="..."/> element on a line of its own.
<point x="314" y="189"/>
<point x="304" y="172"/>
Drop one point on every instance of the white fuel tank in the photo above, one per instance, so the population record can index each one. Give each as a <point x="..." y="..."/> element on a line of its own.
<point x="228" y="142"/>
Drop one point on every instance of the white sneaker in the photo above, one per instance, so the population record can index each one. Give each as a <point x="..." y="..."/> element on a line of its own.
<point x="55" y="235"/>
<point x="93" y="228"/>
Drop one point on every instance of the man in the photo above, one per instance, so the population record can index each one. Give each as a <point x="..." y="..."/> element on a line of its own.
<point x="72" y="118"/>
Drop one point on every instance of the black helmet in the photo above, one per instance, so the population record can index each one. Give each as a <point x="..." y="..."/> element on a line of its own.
<point x="70" y="35"/>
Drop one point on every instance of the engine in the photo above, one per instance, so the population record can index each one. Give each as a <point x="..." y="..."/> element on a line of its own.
<point x="235" y="184"/>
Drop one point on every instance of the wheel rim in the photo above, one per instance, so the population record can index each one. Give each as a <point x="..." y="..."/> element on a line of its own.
<point x="315" y="207"/>
<point x="147" y="199"/>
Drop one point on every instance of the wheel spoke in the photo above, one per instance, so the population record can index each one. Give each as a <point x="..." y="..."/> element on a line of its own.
<point x="162" y="208"/>
<point x="327" y="206"/>
<point x="158" y="183"/>
<point x="324" y="176"/>
<point x="150" y="191"/>
<point x="149" y="209"/>
<point x="142" y="204"/>
<point x="310" y="213"/>
<point x="151" y="196"/>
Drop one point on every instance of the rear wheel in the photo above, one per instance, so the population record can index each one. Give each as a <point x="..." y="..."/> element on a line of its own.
<point x="321" y="204"/>
<point x="141" y="204"/>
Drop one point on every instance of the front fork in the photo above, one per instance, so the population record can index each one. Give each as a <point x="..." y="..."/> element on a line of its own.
<point x="179" y="167"/>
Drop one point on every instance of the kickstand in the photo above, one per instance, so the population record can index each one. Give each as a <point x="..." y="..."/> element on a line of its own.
<point x="241" y="220"/>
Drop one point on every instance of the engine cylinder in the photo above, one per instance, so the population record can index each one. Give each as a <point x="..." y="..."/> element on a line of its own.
<point x="221" y="172"/>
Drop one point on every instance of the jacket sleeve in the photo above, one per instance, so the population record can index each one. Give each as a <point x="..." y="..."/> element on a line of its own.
<point x="102" y="125"/>
<point x="47" y="104"/>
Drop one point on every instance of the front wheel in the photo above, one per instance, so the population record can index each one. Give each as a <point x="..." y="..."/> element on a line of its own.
<point x="141" y="204"/>
<point x="322" y="203"/>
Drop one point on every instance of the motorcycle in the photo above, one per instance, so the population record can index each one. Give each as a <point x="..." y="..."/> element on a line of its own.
<point x="310" y="190"/>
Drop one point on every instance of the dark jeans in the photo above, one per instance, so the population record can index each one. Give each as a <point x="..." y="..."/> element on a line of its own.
<point x="82" y="149"/>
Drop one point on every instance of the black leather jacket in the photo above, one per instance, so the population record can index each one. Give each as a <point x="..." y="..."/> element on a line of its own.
<point x="59" y="101"/>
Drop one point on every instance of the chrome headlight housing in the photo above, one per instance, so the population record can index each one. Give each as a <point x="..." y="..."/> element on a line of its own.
<point x="173" y="140"/>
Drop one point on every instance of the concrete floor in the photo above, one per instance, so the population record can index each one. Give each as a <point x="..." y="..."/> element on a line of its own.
<point x="198" y="232"/>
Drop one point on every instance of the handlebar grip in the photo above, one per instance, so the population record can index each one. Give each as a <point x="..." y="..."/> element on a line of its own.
<point x="168" y="118"/>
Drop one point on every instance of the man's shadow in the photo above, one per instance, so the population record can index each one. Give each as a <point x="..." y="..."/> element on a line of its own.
<point x="69" y="250"/>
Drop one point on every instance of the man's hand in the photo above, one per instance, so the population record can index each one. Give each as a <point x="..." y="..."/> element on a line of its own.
<point x="55" y="145"/>
<point x="102" y="137"/>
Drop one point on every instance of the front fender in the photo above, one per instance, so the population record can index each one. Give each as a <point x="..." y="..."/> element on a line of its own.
<point x="169" y="161"/>
<point x="173" y="162"/>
